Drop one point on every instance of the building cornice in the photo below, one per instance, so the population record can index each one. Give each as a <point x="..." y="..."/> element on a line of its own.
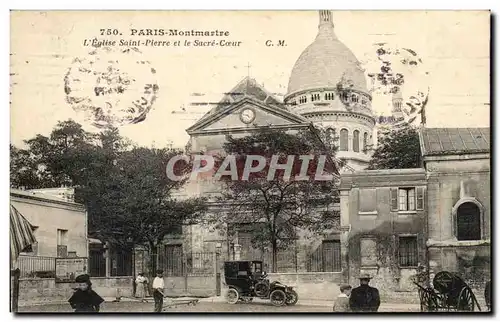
<point x="322" y="89"/>
<point x="47" y="202"/>
<point x="347" y="114"/>
<point x="247" y="129"/>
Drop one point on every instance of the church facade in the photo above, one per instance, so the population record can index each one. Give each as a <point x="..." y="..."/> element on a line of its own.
<point x="389" y="219"/>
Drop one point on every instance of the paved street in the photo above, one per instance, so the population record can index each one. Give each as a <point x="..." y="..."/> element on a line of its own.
<point x="209" y="307"/>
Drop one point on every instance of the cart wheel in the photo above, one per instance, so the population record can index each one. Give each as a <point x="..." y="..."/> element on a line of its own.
<point x="466" y="300"/>
<point x="232" y="296"/>
<point x="291" y="298"/>
<point x="278" y="298"/>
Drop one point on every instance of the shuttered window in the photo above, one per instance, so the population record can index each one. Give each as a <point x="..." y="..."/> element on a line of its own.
<point x="420" y="198"/>
<point x="394" y="199"/>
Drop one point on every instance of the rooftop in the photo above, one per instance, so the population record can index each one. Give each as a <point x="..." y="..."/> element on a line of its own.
<point x="449" y="141"/>
<point x="42" y="197"/>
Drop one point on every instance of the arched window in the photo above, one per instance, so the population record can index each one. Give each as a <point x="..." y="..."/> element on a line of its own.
<point x="354" y="98"/>
<point x="330" y="135"/>
<point x="468" y="222"/>
<point x="344" y="140"/>
<point x="355" y="141"/>
<point x="365" y="143"/>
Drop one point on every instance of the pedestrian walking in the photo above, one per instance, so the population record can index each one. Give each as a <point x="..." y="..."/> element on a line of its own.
<point x="158" y="287"/>
<point x="364" y="298"/>
<point x="84" y="299"/>
<point x="342" y="302"/>
<point x="142" y="287"/>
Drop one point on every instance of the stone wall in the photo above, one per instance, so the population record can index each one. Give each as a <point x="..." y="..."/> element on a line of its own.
<point x="198" y="286"/>
<point x="311" y="286"/>
<point x="39" y="291"/>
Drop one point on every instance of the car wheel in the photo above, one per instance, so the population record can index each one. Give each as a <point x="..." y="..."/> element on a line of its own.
<point x="291" y="298"/>
<point x="232" y="296"/>
<point x="278" y="298"/>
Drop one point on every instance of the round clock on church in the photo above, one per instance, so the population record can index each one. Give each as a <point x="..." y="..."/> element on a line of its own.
<point x="247" y="115"/>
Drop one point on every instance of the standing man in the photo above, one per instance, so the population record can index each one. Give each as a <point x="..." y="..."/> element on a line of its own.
<point x="364" y="298"/>
<point x="158" y="286"/>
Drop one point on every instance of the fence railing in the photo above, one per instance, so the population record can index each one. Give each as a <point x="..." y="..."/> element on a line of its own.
<point x="181" y="264"/>
<point x="36" y="266"/>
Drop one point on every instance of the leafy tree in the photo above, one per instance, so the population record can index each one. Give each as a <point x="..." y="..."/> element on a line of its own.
<point x="398" y="148"/>
<point x="278" y="207"/>
<point x="125" y="188"/>
<point x="134" y="205"/>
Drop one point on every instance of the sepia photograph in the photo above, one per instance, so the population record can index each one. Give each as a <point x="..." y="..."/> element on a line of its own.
<point x="250" y="161"/>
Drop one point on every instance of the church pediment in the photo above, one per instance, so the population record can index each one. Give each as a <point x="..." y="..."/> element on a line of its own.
<point x="247" y="114"/>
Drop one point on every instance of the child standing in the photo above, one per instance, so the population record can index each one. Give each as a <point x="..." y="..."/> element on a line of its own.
<point x="158" y="286"/>
<point x="342" y="302"/>
<point x="84" y="299"/>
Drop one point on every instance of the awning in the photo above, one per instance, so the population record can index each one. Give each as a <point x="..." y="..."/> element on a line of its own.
<point x="21" y="233"/>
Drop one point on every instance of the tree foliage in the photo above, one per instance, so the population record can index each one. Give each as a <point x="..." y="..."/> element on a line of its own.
<point x="278" y="207"/>
<point x="125" y="188"/>
<point x="398" y="148"/>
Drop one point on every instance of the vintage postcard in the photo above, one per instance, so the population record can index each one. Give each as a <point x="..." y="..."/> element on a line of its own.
<point x="250" y="161"/>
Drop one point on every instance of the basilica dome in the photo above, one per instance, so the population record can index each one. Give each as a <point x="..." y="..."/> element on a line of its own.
<point x="326" y="63"/>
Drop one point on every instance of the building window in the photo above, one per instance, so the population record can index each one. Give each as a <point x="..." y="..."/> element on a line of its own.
<point x="407" y="199"/>
<point x="468" y="222"/>
<point x="363" y="101"/>
<point x="329" y="96"/>
<point x="355" y="141"/>
<point x="344" y="140"/>
<point x="354" y="98"/>
<point x="365" y="143"/>
<point x="344" y="97"/>
<point x="408" y="251"/>
<point x="302" y="100"/>
<point x="315" y="97"/>
<point x="62" y="243"/>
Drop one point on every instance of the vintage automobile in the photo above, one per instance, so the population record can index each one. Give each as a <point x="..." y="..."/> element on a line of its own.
<point x="247" y="280"/>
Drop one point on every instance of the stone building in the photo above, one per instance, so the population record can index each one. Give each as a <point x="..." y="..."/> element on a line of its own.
<point x="384" y="220"/>
<point x="457" y="163"/>
<point x="60" y="224"/>
<point x="392" y="222"/>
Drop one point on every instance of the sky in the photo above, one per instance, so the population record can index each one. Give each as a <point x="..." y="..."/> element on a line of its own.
<point x="453" y="45"/>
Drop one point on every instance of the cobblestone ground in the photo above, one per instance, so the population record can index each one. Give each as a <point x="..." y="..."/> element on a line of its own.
<point x="203" y="307"/>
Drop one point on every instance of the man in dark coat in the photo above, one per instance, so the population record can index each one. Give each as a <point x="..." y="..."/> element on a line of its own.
<point x="364" y="298"/>
<point x="85" y="299"/>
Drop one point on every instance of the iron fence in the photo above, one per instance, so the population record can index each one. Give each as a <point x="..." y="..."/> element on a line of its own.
<point x="181" y="264"/>
<point x="36" y="266"/>
<point x="326" y="258"/>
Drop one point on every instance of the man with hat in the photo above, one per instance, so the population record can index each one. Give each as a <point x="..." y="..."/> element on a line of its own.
<point x="84" y="299"/>
<point x="364" y="298"/>
<point x="158" y="286"/>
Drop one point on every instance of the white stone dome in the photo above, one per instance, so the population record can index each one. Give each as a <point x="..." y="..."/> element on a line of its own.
<point x="325" y="63"/>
